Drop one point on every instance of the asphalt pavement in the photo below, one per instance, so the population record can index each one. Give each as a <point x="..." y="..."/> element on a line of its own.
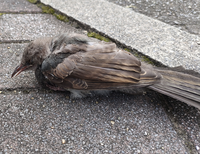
<point x="35" y="120"/>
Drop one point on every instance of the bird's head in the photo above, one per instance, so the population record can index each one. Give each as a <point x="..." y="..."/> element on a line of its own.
<point x="33" y="56"/>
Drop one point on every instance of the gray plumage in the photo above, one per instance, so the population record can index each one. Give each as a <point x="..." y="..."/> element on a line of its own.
<point x="79" y="64"/>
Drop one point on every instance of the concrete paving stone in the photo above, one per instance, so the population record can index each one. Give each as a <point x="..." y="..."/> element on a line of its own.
<point x="31" y="26"/>
<point x="18" y="6"/>
<point x="162" y="42"/>
<point x="10" y="56"/>
<point x="182" y="14"/>
<point x="115" y="123"/>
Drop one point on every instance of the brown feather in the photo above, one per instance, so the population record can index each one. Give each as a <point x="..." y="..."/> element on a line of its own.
<point x="101" y="66"/>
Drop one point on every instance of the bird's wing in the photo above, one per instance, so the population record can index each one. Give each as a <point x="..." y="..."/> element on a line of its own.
<point x="94" y="65"/>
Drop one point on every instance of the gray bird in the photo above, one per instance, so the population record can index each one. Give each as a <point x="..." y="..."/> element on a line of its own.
<point x="79" y="64"/>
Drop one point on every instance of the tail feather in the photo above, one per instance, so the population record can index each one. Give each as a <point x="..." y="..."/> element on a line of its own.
<point x="180" y="98"/>
<point x="183" y="91"/>
<point x="181" y="86"/>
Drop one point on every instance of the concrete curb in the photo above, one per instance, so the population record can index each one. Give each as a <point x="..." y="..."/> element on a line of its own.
<point x="162" y="42"/>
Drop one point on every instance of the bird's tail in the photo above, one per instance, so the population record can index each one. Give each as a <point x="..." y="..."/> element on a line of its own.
<point x="178" y="85"/>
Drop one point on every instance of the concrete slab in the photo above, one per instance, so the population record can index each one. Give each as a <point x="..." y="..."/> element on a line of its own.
<point x="10" y="56"/>
<point x="160" y="41"/>
<point x="18" y="6"/>
<point x="31" y="26"/>
<point x="52" y="123"/>
<point x="182" y="14"/>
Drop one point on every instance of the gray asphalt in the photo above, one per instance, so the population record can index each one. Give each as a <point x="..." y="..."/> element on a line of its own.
<point x="35" y="120"/>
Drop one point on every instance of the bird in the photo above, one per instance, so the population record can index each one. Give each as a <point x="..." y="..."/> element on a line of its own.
<point x="79" y="64"/>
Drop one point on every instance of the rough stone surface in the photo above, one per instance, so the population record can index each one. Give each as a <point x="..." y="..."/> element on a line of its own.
<point x="10" y="56"/>
<point x="182" y="14"/>
<point x="38" y="122"/>
<point x="31" y="26"/>
<point x="160" y="41"/>
<point x="18" y="6"/>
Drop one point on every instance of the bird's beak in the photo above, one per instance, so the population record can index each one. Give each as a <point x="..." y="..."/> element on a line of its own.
<point x="20" y="69"/>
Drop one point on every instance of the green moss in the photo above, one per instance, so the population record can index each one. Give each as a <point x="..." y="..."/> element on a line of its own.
<point x="61" y="17"/>
<point x="127" y="49"/>
<point x="49" y="10"/>
<point x="97" y="36"/>
<point x="33" y="1"/>
<point x="1" y="14"/>
<point x="136" y="55"/>
<point x="46" y="9"/>
<point x="147" y="60"/>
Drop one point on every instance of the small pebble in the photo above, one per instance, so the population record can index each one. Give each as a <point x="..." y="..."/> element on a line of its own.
<point x="97" y="102"/>
<point x="0" y="92"/>
<point x="63" y="141"/>
<point x="197" y="148"/>
<point x="112" y="122"/>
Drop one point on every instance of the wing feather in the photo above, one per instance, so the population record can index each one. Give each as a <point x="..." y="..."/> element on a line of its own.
<point x="95" y="65"/>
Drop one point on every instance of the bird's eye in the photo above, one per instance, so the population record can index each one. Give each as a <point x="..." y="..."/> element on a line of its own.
<point x="29" y="62"/>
